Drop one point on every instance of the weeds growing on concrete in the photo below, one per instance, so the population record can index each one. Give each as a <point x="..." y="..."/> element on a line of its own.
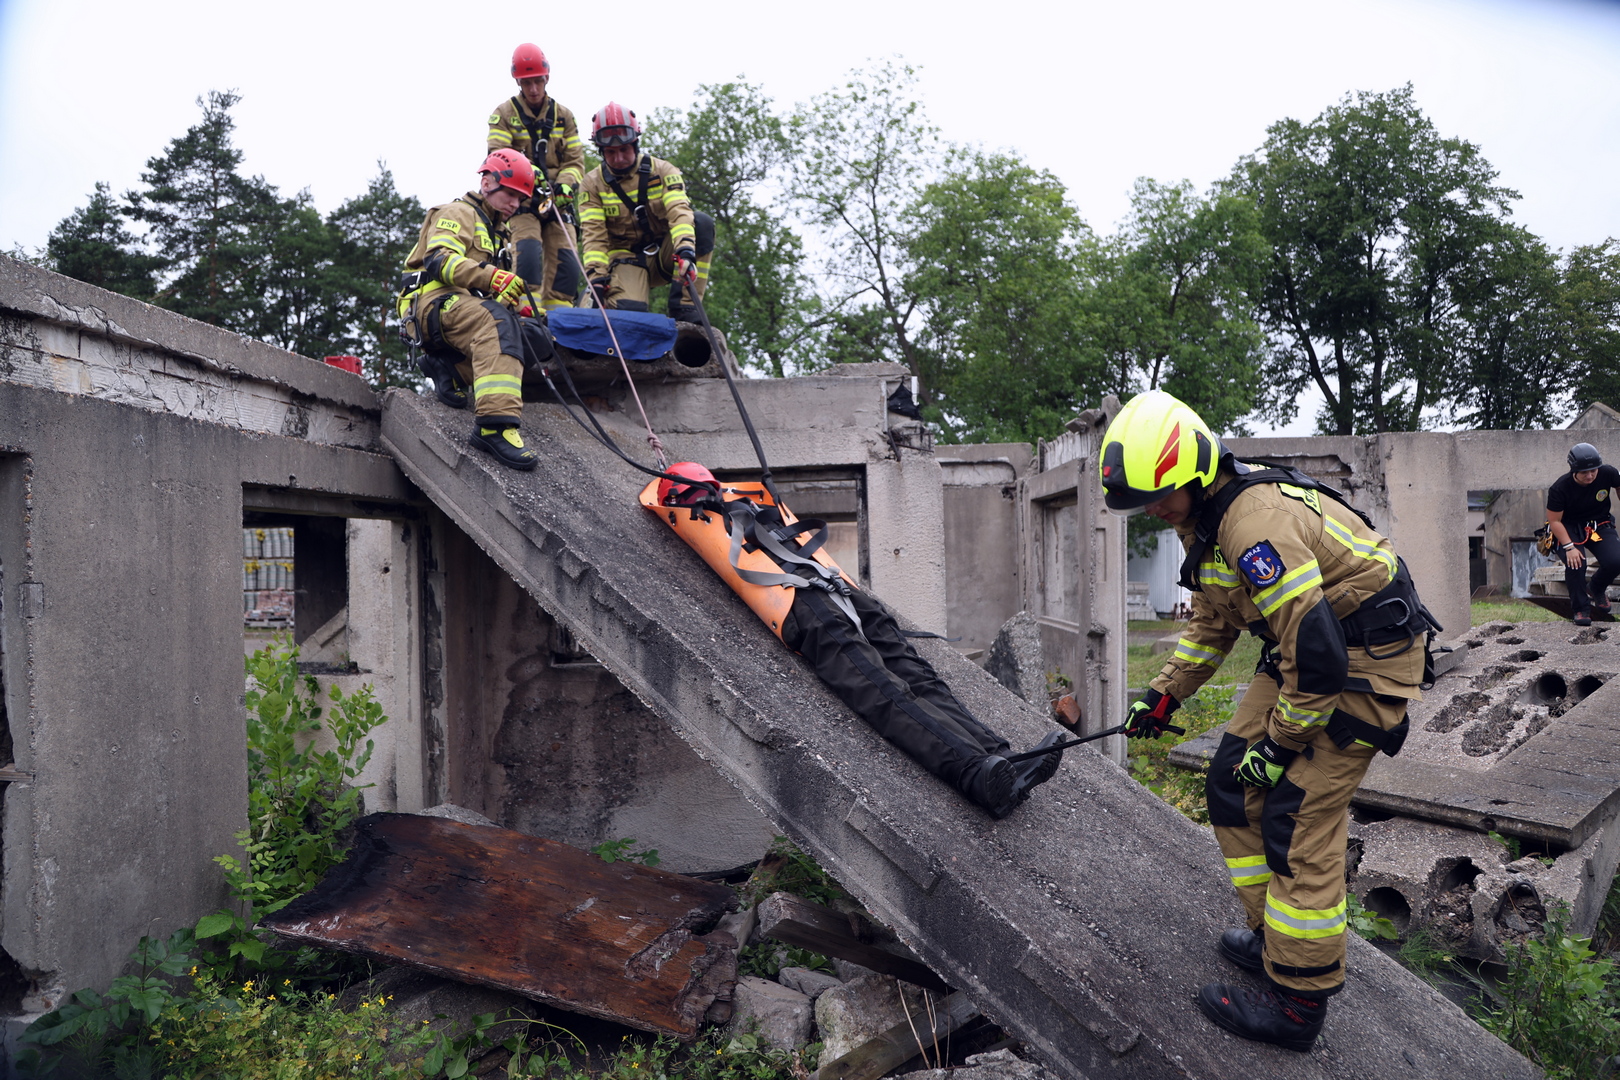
<point x="787" y="869"/>
<point x="1558" y="1003"/>
<point x="621" y="850"/>
<point x="1369" y="924"/>
<point x="1149" y="761"/>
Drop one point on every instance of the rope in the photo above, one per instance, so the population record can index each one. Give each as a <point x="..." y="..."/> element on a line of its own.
<point x="598" y="299"/>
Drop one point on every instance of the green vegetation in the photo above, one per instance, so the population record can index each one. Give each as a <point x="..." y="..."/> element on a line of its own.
<point x="1558" y="1003"/>
<point x="1369" y="924"/>
<point x="787" y="869"/>
<point x="1142" y="663"/>
<point x="1509" y="609"/>
<point x="620" y="851"/>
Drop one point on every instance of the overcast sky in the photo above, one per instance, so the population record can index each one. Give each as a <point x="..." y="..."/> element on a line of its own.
<point x="1098" y="93"/>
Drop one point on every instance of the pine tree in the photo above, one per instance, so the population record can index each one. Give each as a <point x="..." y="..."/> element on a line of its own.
<point x="373" y="234"/>
<point x="95" y="245"/>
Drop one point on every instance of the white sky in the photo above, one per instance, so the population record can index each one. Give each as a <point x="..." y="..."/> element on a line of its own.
<point x="1098" y="93"/>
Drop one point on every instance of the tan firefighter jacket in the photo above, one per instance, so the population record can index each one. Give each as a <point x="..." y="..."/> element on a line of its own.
<point x="1288" y="563"/>
<point x="608" y="226"/>
<point x="560" y="156"/>
<point x="460" y="248"/>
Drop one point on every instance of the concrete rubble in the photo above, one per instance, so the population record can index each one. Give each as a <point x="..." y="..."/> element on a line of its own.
<point x="1015" y="659"/>
<point x="1036" y="917"/>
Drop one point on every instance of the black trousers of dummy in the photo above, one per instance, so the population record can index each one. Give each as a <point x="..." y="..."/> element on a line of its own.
<point x="1605" y="550"/>
<point x="877" y="673"/>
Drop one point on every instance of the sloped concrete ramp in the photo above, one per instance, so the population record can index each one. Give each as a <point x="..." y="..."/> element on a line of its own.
<point x="1085" y="922"/>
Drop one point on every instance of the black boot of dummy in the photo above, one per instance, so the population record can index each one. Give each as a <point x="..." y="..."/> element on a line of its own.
<point x="1035" y="771"/>
<point x="990" y="785"/>
<point x="1271" y="1015"/>
<point x="1243" y="948"/>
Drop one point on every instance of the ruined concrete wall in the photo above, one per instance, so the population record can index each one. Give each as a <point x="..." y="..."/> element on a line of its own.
<point x="541" y="738"/>
<point x="981" y="538"/>
<point x="131" y="440"/>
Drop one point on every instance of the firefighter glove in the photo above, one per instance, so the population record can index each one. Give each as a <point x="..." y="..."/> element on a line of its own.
<point x="686" y="266"/>
<point x="565" y="195"/>
<point x="506" y="287"/>
<point x="1264" y="763"/>
<point x="1149" y="716"/>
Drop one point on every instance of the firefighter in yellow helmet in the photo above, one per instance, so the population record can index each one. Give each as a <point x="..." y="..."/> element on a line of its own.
<point x="461" y="303"/>
<point x="1345" y="642"/>
<point x="637" y="225"/>
<point x="536" y="126"/>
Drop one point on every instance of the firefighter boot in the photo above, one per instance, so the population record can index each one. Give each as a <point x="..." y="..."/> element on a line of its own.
<point x="1035" y="771"/>
<point x="990" y="784"/>
<point x="1271" y="1015"/>
<point x="679" y="309"/>
<point x="1243" y="948"/>
<point x="447" y="387"/>
<point x="499" y="435"/>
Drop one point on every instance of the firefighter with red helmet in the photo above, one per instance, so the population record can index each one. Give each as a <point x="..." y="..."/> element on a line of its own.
<point x="1344" y="650"/>
<point x="461" y="303"/>
<point x="536" y="126"/>
<point x="777" y="565"/>
<point x="637" y="225"/>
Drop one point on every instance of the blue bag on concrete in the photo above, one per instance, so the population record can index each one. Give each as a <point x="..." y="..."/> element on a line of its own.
<point x="643" y="335"/>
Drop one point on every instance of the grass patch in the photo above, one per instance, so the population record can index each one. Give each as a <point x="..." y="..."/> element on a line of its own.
<point x="1509" y="609"/>
<point x="1142" y="664"/>
<point x="1149" y="759"/>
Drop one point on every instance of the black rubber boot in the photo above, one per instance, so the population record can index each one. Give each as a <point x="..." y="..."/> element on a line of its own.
<point x="1035" y="771"/>
<point x="1243" y="948"/>
<point x="501" y="438"/>
<point x="991" y="786"/>
<point x="1265" y="1015"/>
<point x="1581" y="618"/>
<point x="446" y="386"/>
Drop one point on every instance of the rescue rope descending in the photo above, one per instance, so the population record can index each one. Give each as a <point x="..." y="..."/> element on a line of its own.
<point x="598" y="299"/>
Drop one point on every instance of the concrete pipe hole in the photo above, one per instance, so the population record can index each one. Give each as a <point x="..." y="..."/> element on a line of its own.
<point x="1367" y="815"/>
<point x="1513" y="641"/>
<point x="1390" y="904"/>
<point x="1586" y="686"/>
<point x="1528" y="656"/>
<point x="1490" y="735"/>
<point x="1520" y="912"/>
<point x="1474" y="643"/>
<point x="1549" y="689"/>
<point x="1460" y="873"/>
<point x="692" y="347"/>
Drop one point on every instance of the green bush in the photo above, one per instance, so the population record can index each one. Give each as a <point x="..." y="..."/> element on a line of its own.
<point x="1557" y="1003"/>
<point x="1149" y="759"/>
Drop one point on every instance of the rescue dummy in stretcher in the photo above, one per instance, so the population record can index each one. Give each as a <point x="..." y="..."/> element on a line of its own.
<point x="777" y="565"/>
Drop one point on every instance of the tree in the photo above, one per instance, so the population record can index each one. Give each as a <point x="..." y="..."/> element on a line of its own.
<point x="732" y="149"/>
<point x="1591" y="299"/>
<point x="205" y="218"/>
<point x="992" y="253"/>
<point x="1169" y="300"/>
<point x="865" y="150"/>
<point x="374" y="233"/>
<point x="95" y="245"/>
<point x="300" y="299"/>
<point x="1374" y="220"/>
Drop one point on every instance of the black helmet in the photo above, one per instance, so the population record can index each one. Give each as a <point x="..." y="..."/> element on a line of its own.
<point x="1584" y="456"/>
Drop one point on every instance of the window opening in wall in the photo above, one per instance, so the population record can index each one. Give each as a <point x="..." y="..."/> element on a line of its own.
<point x="295" y="577"/>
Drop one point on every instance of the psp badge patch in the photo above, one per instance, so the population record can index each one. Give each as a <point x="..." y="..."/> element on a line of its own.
<point x="1261" y="565"/>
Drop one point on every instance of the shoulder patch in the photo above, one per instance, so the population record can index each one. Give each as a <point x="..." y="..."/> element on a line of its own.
<point x="1602" y="495"/>
<point x="494" y="119"/>
<point x="1261" y="565"/>
<point x="448" y="223"/>
<point x="1308" y="496"/>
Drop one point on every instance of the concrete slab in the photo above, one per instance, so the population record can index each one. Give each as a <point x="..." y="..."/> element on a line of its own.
<point x="1038" y="917"/>
<point x="1521" y="738"/>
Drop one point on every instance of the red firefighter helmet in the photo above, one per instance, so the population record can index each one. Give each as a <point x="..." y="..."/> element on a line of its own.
<point x="511" y="169"/>
<point x="674" y="493"/>
<point x="615" y="125"/>
<point x="529" y="62"/>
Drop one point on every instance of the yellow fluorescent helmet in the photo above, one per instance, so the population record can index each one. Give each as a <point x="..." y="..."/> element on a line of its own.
<point x="1155" y="445"/>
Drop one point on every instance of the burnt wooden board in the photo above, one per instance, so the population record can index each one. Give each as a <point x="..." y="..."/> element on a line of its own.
<point x="548" y="921"/>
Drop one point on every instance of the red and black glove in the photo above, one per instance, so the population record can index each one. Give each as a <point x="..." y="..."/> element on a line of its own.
<point x="1149" y="716"/>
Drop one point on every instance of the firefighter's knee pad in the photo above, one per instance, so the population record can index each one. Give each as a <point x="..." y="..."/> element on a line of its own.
<point x="630" y="305"/>
<point x="531" y="259"/>
<point x="566" y="280"/>
<point x="1223" y="792"/>
<point x="703" y="226"/>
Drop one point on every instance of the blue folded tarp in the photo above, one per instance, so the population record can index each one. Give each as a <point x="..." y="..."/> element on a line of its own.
<point x="643" y="335"/>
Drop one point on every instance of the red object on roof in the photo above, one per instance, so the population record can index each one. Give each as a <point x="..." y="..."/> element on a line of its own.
<point x="347" y="363"/>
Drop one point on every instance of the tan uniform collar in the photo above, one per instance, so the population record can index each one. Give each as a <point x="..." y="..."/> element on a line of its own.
<point x="523" y="105"/>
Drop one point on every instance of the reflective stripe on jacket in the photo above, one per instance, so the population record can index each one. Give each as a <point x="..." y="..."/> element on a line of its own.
<point x="565" y="153"/>
<point x="1288" y="563"/>
<point x="608" y="229"/>
<point x="466" y="249"/>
